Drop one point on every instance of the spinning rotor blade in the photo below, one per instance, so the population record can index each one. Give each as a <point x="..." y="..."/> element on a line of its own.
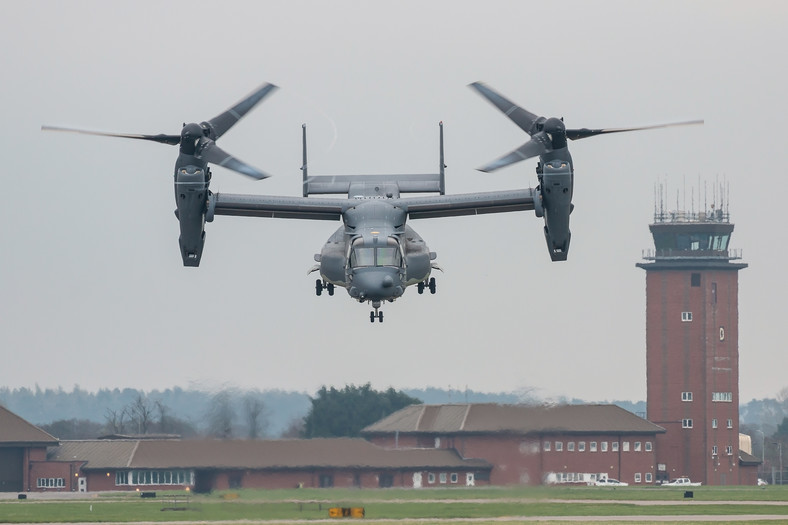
<point x="172" y="140"/>
<point x="576" y="134"/>
<point x="212" y="153"/>
<point x="222" y="123"/>
<point x="538" y="145"/>
<point x="522" y="117"/>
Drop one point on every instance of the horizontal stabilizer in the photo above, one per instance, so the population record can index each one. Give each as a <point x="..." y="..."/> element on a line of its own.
<point x="341" y="184"/>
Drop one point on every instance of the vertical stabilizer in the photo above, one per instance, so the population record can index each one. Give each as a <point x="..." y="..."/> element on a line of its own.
<point x="304" y="173"/>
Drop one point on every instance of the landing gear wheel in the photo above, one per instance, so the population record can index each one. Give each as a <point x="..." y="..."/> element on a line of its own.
<point x="330" y="288"/>
<point x="420" y="287"/>
<point x="319" y="288"/>
<point x="433" y="288"/>
<point x="375" y="315"/>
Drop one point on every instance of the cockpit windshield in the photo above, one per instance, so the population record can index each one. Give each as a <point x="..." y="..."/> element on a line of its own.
<point x="362" y="255"/>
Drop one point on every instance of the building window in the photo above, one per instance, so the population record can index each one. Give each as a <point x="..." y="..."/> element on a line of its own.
<point x="722" y="397"/>
<point x="603" y="446"/>
<point x="714" y="450"/>
<point x="714" y="423"/>
<point x="648" y="446"/>
<point x="730" y="423"/>
<point x="453" y="478"/>
<point x="695" y="279"/>
<point x="637" y="477"/>
<point x="686" y="396"/>
<point x="686" y="317"/>
<point x="443" y="477"/>
<point x="559" y="446"/>
<point x="649" y="477"/>
<point x="637" y="446"/>
<point x="626" y="446"/>
<point x="51" y="483"/>
<point x="430" y="477"/>
<point x="592" y="446"/>
<point x="614" y="446"/>
<point x="722" y="333"/>
<point x="570" y="446"/>
<point x="729" y="450"/>
<point x="155" y="477"/>
<point x="547" y="446"/>
<point x="581" y="446"/>
<point x="437" y="442"/>
<point x="686" y="423"/>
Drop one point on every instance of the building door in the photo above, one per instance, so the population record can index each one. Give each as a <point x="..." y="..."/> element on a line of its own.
<point x="11" y="469"/>
<point x="470" y="481"/>
<point x="82" y="484"/>
<point x="417" y="480"/>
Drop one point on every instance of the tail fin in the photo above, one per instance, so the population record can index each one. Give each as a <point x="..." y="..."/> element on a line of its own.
<point x="304" y="174"/>
<point x="443" y="165"/>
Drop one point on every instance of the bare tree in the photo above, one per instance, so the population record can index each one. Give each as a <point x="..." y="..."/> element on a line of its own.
<point x="115" y="419"/>
<point x="141" y="411"/>
<point x="221" y="415"/>
<point x="254" y="414"/>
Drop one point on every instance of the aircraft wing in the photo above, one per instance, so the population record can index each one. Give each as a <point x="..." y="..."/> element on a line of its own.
<point x="282" y="207"/>
<point x="468" y="203"/>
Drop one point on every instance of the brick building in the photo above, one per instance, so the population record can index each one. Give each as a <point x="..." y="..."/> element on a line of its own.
<point x="531" y="445"/>
<point x="692" y="354"/>
<point x="20" y="445"/>
<point x="207" y="465"/>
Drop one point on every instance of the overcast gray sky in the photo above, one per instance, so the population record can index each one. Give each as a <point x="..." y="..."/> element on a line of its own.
<point x="92" y="290"/>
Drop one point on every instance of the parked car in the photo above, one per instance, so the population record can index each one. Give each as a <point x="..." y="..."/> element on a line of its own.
<point x="681" y="482"/>
<point x="610" y="482"/>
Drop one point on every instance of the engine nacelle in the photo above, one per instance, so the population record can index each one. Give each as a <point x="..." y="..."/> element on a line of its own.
<point x="555" y="196"/>
<point x="191" y="195"/>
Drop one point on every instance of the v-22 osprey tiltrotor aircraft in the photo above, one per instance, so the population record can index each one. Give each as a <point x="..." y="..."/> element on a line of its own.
<point x="374" y="255"/>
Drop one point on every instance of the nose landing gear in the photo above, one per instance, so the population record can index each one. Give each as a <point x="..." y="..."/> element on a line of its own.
<point x="375" y="314"/>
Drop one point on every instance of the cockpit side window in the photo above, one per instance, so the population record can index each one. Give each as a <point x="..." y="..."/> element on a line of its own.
<point x="389" y="256"/>
<point x="361" y="256"/>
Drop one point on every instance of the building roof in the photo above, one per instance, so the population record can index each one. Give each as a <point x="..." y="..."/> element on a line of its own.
<point x="269" y="454"/>
<point x="485" y="418"/>
<point x="15" y="431"/>
<point x="748" y="459"/>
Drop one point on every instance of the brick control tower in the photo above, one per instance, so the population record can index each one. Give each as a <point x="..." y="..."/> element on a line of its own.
<point x="692" y="353"/>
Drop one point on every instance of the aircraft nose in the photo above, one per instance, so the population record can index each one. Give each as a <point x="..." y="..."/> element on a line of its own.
<point x="377" y="284"/>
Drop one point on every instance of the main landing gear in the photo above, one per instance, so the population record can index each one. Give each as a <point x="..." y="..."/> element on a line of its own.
<point x="375" y="314"/>
<point x="319" y="287"/>
<point x="425" y="284"/>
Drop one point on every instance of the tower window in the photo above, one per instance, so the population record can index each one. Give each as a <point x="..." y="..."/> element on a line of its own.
<point x="714" y="423"/>
<point x="686" y="423"/>
<point x="695" y="279"/>
<point x="686" y="396"/>
<point x="686" y="317"/>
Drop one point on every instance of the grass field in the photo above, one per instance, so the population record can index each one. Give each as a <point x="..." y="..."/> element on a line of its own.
<point x="481" y="505"/>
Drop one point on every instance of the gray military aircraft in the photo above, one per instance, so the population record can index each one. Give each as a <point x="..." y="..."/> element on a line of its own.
<point x="374" y="255"/>
<point x="555" y="171"/>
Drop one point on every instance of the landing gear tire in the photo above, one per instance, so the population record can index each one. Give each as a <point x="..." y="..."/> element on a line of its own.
<point x="433" y="287"/>
<point x="420" y="287"/>
<point x="319" y="288"/>
<point x="330" y="288"/>
<point x="373" y="316"/>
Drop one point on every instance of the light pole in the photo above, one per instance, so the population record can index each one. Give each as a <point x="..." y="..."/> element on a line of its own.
<point x="780" y="445"/>
<point x="763" y="446"/>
